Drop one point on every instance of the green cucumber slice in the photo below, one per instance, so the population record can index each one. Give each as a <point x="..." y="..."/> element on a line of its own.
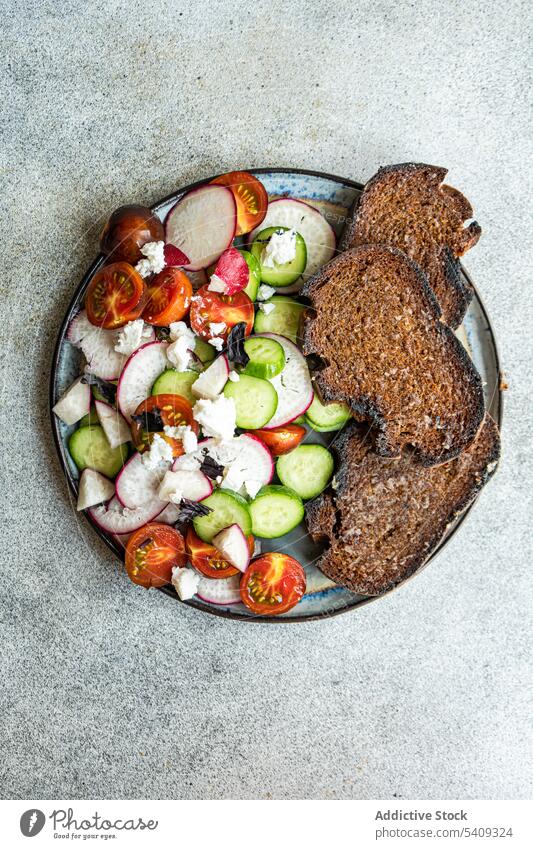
<point x="228" y="508"/>
<point x="256" y="401"/>
<point x="203" y="351"/>
<point x="307" y="470"/>
<point x="255" y="275"/>
<point x="90" y="419"/>
<point x="90" y="449"/>
<point x="284" y="319"/>
<point x="275" y="511"/>
<point x="326" y="417"/>
<point x="176" y="383"/>
<point x="288" y="272"/>
<point x="267" y="357"/>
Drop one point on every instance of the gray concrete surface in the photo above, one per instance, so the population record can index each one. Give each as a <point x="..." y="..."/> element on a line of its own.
<point x="108" y="691"/>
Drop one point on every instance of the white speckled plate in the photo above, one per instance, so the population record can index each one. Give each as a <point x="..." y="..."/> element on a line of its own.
<point x="334" y="197"/>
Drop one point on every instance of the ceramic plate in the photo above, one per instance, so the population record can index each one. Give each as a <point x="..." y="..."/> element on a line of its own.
<point x="334" y="197"/>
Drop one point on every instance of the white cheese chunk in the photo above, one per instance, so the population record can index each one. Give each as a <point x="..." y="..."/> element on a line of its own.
<point x="216" y="417"/>
<point x="154" y="262"/>
<point x="217" y="342"/>
<point x="234" y="376"/>
<point x="280" y="249"/>
<point x="217" y="327"/>
<point x="186" y="434"/>
<point x="216" y="284"/>
<point x="185" y="581"/>
<point x="160" y="452"/>
<point x="132" y="336"/>
<point x="267" y="308"/>
<point x="265" y="292"/>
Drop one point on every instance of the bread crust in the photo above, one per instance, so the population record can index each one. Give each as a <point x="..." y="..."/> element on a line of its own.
<point x="374" y="519"/>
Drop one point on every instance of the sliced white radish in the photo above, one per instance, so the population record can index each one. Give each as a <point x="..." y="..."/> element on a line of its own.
<point x="233" y="270"/>
<point x="139" y="375"/>
<point x="75" y="403"/>
<point x="113" y="518"/>
<point x="98" y="346"/>
<point x="137" y="485"/>
<point x="113" y="423"/>
<point x="293" y="384"/>
<point x="185" y="582"/>
<point x="233" y="546"/>
<point x="245" y="459"/>
<point x="170" y="514"/>
<point x="195" y="486"/>
<point x="212" y="381"/>
<point x="202" y="224"/>
<point x="93" y="488"/>
<point x="317" y="233"/>
<point x="222" y="591"/>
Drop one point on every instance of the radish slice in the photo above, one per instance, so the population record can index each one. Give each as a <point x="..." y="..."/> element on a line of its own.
<point x="233" y="546"/>
<point x="137" y="485"/>
<point x="173" y="256"/>
<point x="202" y="224"/>
<point x="213" y="380"/>
<point x="246" y="459"/>
<point x="75" y="403"/>
<point x="139" y="375"/>
<point x="318" y="235"/>
<point x="193" y="485"/>
<point x="93" y="489"/>
<point x="293" y="384"/>
<point x="233" y="270"/>
<point x="113" y="518"/>
<point x="114" y="425"/>
<point x="220" y="590"/>
<point x="98" y="347"/>
<point x="170" y="514"/>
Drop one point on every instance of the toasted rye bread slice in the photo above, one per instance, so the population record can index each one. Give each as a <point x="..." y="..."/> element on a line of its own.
<point x="386" y="516"/>
<point x="376" y="328"/>
<point x="406" y="206"/>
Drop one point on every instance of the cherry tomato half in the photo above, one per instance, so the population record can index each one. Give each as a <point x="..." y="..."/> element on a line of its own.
<point x="272" y="584"/>
<point x="169" y="297"/>
<point x="250" y="196"/>
<point x="207" y="559"/>
<point x="210" y="307"/>
<point x="127" y="230"/>
<point x="174" y="411"/>
<point x="152" y="552"/>
<point x="283" y="439"/>
<point x="116" y="295"/>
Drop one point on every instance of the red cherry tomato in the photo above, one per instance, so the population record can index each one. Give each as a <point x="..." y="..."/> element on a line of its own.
<point x="207" y="559"/>
<point x="152" y="552"/>
<point x="272" y="584"/>
<point x="169" y="297"/>
<point x="115" y="295"/>
<point x="282" y="439"/>
<point x="127" y="230"/>
<point x="173" y="410"/>
<point x="210" y="307"/>
<point x="250" y="196"/>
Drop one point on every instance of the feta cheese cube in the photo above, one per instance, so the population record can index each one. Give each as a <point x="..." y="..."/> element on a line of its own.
<point x="280" y="249"/>
<point x="154" y="262"/>
<point x="160" y="452"/>
<point x="216" y="284"/>
<point x="234" y="376"/>
<point x="217" y="342"/>
<point x="132" y="336"/>
<point x="267" y="308"/>
<point x="265" y="292"/>
<point x="217" y="327"/>
<point x="217" y="417"/>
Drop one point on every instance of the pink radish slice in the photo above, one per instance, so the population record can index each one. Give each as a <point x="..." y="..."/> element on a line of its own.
<point x="246" y="455"/>
<point x="114" y="425"/>
<point x="139" y="375"/>
<point x="318" y="234"/>
<point x="75" y="403"/>
<point x="293" y="384"/>
<point x="233" y="546"/>
<point x="212" y="381"/>
<point x="137" y="485"/>
<point x="202" y="224"/>
<point x="113" y="518"/>
<point x="193" y="485"/>
<point x="232" y="268"/>
<point x="173" y="256"/>
<point x="220" y="590"/>
<point x="98" y="347"/>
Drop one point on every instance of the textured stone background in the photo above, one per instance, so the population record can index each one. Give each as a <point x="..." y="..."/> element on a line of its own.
<point x="108" y="691"/>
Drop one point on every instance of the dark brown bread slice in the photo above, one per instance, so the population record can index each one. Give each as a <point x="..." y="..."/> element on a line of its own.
<point x="385" y="517"/>
<point x="376" y="328"/>
<point x="406" y="206"/>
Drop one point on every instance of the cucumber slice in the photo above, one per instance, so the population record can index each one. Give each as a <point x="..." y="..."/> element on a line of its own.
<point x="284" y="319"/>
<point x="90" y="419"/>
<point x="176" y="383"/>
<point x="90" y="449"/>
<point x="267" y="357"/>
<point x="288" y="272"/>
<point x="307" y="470"/>
<point x="203" y="351"/>
<point x="255" y="400"/>
<point x="255" y="275"/>
<point x="326" y="417"/>
<point x="228" y="508"/>
<point x="275" y="511"/>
